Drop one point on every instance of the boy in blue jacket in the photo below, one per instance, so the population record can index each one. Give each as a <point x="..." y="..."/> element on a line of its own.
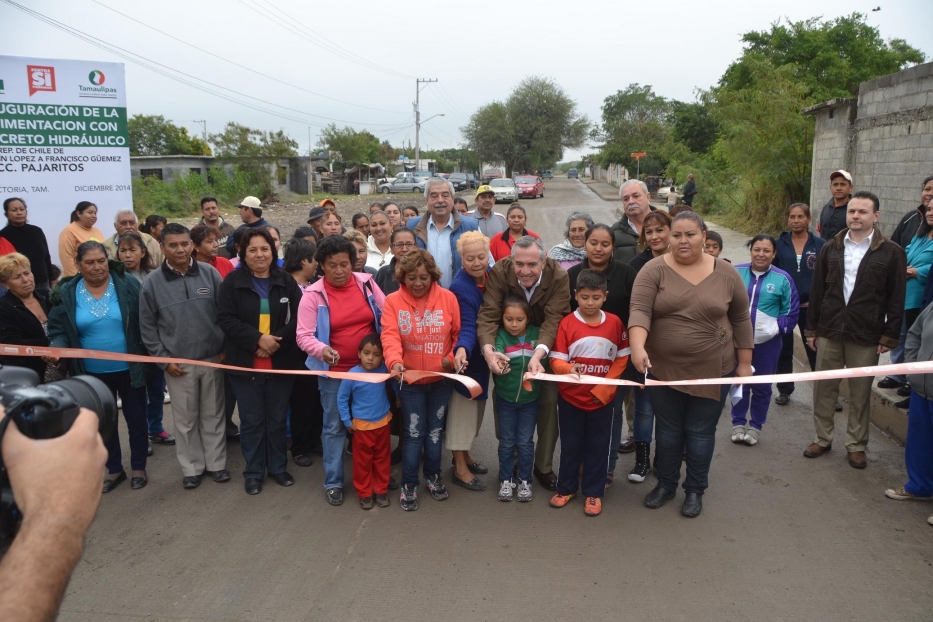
<point x="365" y="411"/>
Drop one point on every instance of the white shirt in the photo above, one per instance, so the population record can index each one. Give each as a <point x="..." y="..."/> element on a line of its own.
<point x="854" y="253"/>
<point x="439" y="247"/>
<point x="376" y="258"/>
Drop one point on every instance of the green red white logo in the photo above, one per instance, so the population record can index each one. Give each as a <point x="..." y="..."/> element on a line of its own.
<point x="96" y="77"/>
<point x="40" y="78"/>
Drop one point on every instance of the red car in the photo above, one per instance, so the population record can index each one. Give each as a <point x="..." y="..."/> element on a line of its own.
<point x="530" y="186"/>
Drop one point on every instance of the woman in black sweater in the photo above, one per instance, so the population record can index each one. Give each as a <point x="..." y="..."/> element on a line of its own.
<point x="23" y="312"/>
<point x="28" y="240"/>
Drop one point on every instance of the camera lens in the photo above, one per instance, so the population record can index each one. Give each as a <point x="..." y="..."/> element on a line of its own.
<point x="91" y="393"/>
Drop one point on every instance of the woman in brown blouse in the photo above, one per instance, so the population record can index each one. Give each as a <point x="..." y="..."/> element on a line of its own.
<point x="689" y="319"/>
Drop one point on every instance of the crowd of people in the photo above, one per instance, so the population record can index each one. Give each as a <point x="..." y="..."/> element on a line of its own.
<point x="462" y="289"/>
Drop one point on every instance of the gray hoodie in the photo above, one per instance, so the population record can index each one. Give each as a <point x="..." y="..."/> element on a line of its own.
<point x="920" y="348"/>
<point x="178" y="314"/>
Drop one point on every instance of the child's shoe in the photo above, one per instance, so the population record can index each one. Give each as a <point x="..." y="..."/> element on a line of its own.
<point x="436" y="487"/>
<point x="366" y="503"/>
<point x="382" y="500"/>
<point x="592" y="506"/>
<point x="559" y="500"/>
<point x="524" y="491"/>
<point x="506" y="490"/>
<point x="409" y="497"/>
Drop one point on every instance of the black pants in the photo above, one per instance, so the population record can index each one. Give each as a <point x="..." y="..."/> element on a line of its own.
<point x="786" y="359"/>
<point x="683" y="420"/>
<point x="134" y="412"/>
<point x="229" y="406"/>
<point x="307" y="415"/>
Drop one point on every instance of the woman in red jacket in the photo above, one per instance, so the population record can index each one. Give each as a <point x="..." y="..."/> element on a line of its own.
<point x="500" y="245"/>
<point x="420" y="325"/>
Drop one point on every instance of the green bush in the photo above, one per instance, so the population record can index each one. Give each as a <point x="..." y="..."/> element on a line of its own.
<point x="182" y="196"/>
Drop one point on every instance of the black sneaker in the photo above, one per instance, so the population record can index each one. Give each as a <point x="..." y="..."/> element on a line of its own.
<point x="382" y="501"/>
<point x="335" y="496"/>
<point x="436" y="487"/>
<point x="366" y="503"/>
<point x="904" y="391"/>
<point x="782" y="399"/>
<point x="889" y="383"/>
<point x="409" y="497"/>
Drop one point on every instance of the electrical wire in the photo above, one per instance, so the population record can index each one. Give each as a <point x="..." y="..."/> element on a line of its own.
<point x="162" y="69"/>
<point x="453" y="102"/>
<point x="283" y="24"/>
<point x="235" y="64"/>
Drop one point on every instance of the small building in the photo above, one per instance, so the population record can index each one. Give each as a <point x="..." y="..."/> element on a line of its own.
<point x="884" y="138"/>
<point x="295" y="174"/>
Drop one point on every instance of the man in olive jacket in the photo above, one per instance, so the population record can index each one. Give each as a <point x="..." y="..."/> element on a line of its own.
<point x="531" y="276"/>
<point x="855" y="314"/>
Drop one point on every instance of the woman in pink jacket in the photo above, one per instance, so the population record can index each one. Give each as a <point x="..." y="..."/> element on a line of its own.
<point x="420" y="326"/>
<point x="334" y="315"/>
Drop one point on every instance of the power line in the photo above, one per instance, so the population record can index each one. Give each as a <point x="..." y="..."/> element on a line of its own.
<point x="235" y="64"/>
<point x="155" y="66"/>
<point x="325" y="46"/>
<point x="453" y="102"/>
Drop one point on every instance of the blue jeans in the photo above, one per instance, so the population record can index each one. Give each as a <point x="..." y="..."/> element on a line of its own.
<point x="155" y="392"/>
<point x="917" y="454"/>
<point x="424" y="410"/>
<point x="262" y="400"/>
<point x="333" y="434"/>
<point x="685" y="421"/>
<point x="516" y="430"/>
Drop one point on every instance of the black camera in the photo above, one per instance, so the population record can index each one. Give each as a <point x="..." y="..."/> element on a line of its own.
<point x="42" y="412"/>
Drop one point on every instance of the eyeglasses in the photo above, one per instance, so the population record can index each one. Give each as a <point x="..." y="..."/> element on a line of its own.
<point x="404" y="245"/>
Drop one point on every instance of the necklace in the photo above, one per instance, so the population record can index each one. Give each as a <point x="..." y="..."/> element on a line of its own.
<point x="98" y="307"/>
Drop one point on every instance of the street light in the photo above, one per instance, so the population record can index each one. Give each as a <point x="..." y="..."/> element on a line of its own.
<point x="418" y="123"/>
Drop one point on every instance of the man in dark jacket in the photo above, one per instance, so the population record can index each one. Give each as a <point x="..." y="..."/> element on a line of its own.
<point x="178" y="318"/>
<point x="210" y="216"/>
<point x="636" y="202"/>
<point x="833" y="215"/>
<point x="690" y="190"/>
<point x="251" y="215"/>
<point x="856" y="310"/>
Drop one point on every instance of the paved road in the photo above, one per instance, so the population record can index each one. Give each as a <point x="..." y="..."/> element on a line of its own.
<point x="780" y="538"/>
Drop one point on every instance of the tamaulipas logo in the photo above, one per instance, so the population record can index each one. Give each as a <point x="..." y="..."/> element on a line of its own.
<point x="97" y="90"/>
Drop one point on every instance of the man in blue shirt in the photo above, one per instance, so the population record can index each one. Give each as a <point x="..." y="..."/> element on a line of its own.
<point x="440" y="228"/>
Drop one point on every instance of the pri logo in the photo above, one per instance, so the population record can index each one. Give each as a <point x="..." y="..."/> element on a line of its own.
<point x="40" y="78"/>
<point x="96" y="77"/>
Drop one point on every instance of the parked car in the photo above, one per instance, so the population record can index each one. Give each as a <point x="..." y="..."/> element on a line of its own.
<point x="505" y="190"/>
<point x="474" y="182"/>
<point x="530" y="186"/>
<point x="547" y="174"/>
<point x="424" y="174"/>
<point x="572" y="174"/>
<point x="459" y="180"/>
<point x="403" y="184"/>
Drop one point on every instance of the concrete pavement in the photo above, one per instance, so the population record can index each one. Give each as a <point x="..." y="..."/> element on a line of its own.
<point x="780" y="538"/>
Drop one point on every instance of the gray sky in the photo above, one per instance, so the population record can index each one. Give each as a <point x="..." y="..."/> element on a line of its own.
<point x="478" y="51"/>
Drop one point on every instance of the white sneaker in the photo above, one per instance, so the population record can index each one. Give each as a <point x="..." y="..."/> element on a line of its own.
<point x="506" y="490"/>
<point x="524" y="491"/>
<point x="751" y="436"/>
<point x="738" y="433"/>
<point x="167" y="399"/>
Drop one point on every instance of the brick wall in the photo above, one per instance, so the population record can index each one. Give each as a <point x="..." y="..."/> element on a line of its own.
<point x="885" y="140"/>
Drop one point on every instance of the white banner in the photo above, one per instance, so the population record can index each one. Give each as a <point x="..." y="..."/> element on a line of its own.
<point x="63" y="139"/>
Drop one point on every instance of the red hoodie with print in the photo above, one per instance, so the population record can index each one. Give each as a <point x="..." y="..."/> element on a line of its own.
<point x="420" y="332"/>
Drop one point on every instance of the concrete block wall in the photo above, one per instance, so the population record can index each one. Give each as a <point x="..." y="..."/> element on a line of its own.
<point x="885" y="141"/>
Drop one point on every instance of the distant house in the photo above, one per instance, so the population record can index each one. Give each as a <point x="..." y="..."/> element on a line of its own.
<point x="295" y="173"/>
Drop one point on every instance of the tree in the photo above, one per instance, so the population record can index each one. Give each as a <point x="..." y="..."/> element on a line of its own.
<point x="692" y="125"/>
<point x="354" y="147"/>
<point x="152" y="135"/>
<point x="830" y="57"/>
<point x="254" y="153"/>
<point x="530" y="130"/>
<point x="634" y="119"/>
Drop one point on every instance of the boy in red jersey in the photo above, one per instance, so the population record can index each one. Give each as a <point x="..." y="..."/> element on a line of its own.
<point x="593" y="343"/>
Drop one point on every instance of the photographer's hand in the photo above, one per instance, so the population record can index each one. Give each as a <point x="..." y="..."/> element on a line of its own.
<point x="57" y="484"/>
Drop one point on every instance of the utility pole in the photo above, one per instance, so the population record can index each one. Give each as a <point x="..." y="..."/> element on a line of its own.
<point x="203" y="124"/>
<point x="418" y="82"/>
